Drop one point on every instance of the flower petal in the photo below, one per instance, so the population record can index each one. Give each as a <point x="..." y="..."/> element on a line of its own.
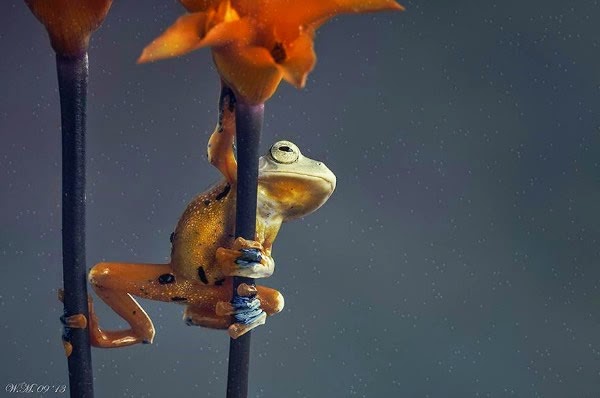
<point x="300" y="60"/>
<point x="316" y="16"/>
<point x="250" y="71"/>
<point x="200" y="5"/>
<point x="290" y="14"/>
<point x="191" y="32"/>
<point x="367" y="5"/>
<point x="241" y="31"/>
<point x="183" y="36"/>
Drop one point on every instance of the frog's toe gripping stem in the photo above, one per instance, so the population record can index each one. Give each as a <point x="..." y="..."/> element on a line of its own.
<point x="247" y="258"/>
<point x="250" y="309"/>
<point x="246" y="290"/>
<point x="68" y="347"/>
<point x="77" y="321"/>
<point x="247" y="314"/>
<point x="238" y="329"/>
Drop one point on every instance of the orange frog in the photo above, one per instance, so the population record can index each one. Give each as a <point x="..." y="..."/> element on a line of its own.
<point x="205" y="256"/>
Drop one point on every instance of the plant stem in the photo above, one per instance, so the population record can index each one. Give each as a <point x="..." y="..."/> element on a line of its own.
<point x="249" y="120"/>
<point x="72" y="83"/>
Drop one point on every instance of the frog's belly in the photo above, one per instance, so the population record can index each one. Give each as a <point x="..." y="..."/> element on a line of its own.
<point x="206" y="225"/>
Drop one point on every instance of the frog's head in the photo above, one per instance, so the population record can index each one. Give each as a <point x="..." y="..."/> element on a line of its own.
<point x="290" y="184"/>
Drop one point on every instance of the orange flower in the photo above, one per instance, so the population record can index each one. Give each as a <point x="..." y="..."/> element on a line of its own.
<point x="255" y="43"/>
<point x="70" y="23"/>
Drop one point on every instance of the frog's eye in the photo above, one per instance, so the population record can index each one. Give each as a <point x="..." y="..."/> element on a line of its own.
<point x="285" y="152"/>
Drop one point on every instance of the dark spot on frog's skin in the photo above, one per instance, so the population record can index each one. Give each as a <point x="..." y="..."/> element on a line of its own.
<point x="176" y="298"/>
<point x="202" y="275"/>
<point x="134" y="312"/>
<point x="166" y="278"/>
<point x="219" y="282"/>
<point x="230" y="100"/>
<point x="172" y="237"/>
<point x="278" y="53"/>
<point x="219" y="121"/>
<point x="227" y="95"/>
<point x="206" y="202"/>
<point x="223" y="194"/>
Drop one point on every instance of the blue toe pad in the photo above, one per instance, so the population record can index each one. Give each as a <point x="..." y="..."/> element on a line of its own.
<point x="249" y="257"/>
<point x="247" y="309"/>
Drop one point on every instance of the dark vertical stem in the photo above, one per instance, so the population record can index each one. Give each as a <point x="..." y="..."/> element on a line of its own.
<point x="72" y="84"/>
<point x="249" y="119"/>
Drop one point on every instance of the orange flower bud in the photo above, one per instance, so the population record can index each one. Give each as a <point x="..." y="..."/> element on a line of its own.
<point x="256" y="43"/>
<point x="199" y="5"/>
<point x="70" y="23"/>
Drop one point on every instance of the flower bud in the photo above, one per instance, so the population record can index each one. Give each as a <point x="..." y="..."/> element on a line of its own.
<point x="70" y="23"/>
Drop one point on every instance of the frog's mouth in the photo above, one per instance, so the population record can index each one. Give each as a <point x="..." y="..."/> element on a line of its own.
<point x="325" y="180"/>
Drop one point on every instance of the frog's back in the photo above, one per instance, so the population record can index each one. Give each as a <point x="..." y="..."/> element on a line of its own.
<point x="206" y="224"/>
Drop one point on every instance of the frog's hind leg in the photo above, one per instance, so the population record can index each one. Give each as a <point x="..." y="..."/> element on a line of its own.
<point x="217" y="312"/>
<point x="197" y="315"/>
<point x="220" y="144"/>
<point x="115" y="283"/>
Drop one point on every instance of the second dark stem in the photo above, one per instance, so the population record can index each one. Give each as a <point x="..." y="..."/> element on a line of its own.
<point x="249" y="120"/>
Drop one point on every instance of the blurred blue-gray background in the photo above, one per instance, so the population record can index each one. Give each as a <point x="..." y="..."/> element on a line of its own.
<point x="458" y="257"/>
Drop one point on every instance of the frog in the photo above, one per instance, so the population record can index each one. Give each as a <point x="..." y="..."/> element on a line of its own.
<point x="205" y="253"/>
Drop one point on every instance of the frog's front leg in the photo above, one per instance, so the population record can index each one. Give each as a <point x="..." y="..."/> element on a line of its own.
<point x="246" y="258"/>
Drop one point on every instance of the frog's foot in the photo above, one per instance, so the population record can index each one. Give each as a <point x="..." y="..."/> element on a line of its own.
<point x="77" y="321"/>
<point x="247" y="258"/>
<point x="239" y="328"/>
<point x="98" y="337"/>
<point x="250" y="308"/>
